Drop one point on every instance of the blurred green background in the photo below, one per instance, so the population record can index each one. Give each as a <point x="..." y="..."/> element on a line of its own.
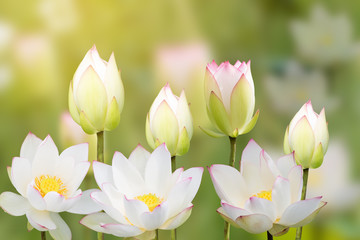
<point x="299" y="50"/>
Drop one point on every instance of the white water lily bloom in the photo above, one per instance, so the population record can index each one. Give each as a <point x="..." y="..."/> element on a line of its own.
<point x="141" y="194"/>
<point x="169" y="121"/>
<point x="265" y="195"/>
<point x="307" y="135"/>
<point x="230" y="98"/>
<point x="48" y="184"/>
<point x="96" y="93"/>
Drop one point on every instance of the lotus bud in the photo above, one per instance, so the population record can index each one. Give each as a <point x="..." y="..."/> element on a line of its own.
<point x="230" y="98"/>
<point x="307" y="135"/>
<point x="169" y="121"/>
<point x="96" y="94"/>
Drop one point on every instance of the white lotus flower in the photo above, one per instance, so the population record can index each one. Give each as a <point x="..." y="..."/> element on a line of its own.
<point x="307" y="135"/>
<point x="265" y="195"/>
<point x="96" y="93"/>
<point x="169" y="121"/>
<point x="48" y="184"/>
<point x="230" y="98"/>
<point x="141" y="194"/>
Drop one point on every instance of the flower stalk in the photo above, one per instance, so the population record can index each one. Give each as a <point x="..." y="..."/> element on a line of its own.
<point x="100" y="158"/>
<point x="232" y="164"/>
<point x="43" y="235"/>
<point x="269" y="236"/>
<point x="303" y="196"/>
<point x="173" y="168"/>
<point x="156" y="234"/>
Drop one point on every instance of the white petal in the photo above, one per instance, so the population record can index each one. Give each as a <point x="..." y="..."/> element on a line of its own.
<point x="139" y="158"/>
<point x="268" y="170"/>
<point x="158" y="170"/>
<point x="78" y="152"/>
<point x="113" y="210"/>
<point x="296" y="183"/>
<point x="233" y="212"/>
<point x="46" y="156"/>
<point x="195" y="174"/>
<point x="261" y="206"/>
<point x="86" y="204"/>
<point x="122" y="230"/>
<point x="159" y="98"/>
<point x="21" y="174"/>
<point x="285" y="164"/>
<point x="134" y="208"/>
<point x="229" y="184"/>
<point x="252" y="177"/>
<point x="56" y="202"/>
<point x="170" y="98"/>
<point x="102" y="173"/>
<point x="35" y="198"/>
<point x="251" y="154"/>
<point x="281" y="195"/>
<point x="80" y="171"/>
<point x="153" y="220"/>
<point x="29" y="146"/>
<point x="177" y="196"/>
<point x="127" y="178"/>
<point x="227" y="76"/>
<point x="95" y="221"/>
<point x="178" y="220"/>
<point x="40" y="220"/>
<point x="298" y="211"/>
<point x="14" y="204"/>
<point x="62" y="231"/>
<point x="255" y="223"/>
<point x="65" y="169"/>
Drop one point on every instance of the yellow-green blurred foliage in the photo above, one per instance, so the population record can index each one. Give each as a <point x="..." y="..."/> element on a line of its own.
<point x="43" y="41"/>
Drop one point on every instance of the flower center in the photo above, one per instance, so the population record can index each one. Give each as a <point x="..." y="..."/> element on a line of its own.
<point x="46" y="183"/>
<point x="264" y="195"/>
<point x="151" y="200"/>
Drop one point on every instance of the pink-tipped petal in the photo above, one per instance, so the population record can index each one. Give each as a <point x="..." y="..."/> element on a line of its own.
<point x="14" y="204"/>
<point x="298" y="211"/>
<point x="78" y="152"/>
<point x="62" y="230"/>
<point x="21" y="174"/>
<point x="255" y="223"/>
<point x="85" y="205"/>
<point x="222" y="177"/>
<point x="102" y="173"/>
<point x="29" y="146"/>
<point x="178" y="220"/>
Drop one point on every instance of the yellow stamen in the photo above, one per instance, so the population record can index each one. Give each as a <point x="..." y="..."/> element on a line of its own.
<point x="264" y="195"/>
<point x="151" y="200"/>
<point x="46" y="183"/>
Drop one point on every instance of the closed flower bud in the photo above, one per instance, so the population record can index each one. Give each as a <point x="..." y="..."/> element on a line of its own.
<point x="230" y="98"/>
<point x="169" y="121"/>
<point x="307" y="135"/>
<point x="96" y="94"/>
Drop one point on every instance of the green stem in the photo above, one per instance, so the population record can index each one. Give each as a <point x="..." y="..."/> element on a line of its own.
<point x="173" y="168"/>
<point x="232" y="151"/>
<point x="100" y="146"/>
<point x="43" y="235"/>
<point x="156" y="234"/>
<point x="232" y="164"/>
<point x="173" y="163"/>
<point x="100" y="158"/>
<point x="269" y="236"/>
<point x="303" y="196"/>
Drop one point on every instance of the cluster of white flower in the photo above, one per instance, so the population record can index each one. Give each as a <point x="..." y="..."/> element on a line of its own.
<point x="145" y="192"/>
